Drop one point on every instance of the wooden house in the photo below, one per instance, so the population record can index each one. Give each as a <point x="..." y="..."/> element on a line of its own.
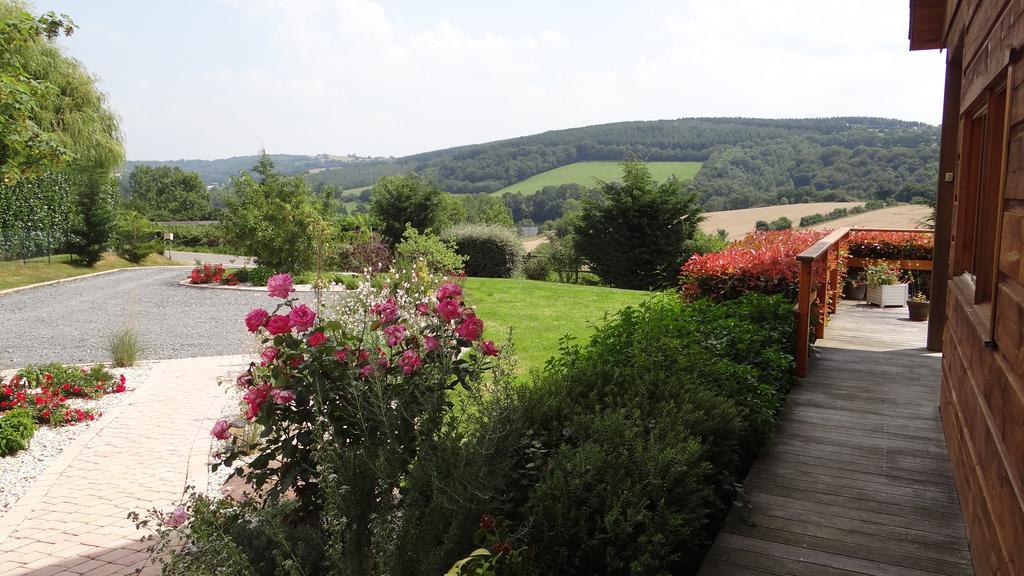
<point x="978" y="276"/>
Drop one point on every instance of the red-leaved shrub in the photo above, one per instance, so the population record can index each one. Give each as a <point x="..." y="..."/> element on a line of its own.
<point x="762" y="262"/>
<point x="891" y="245"/>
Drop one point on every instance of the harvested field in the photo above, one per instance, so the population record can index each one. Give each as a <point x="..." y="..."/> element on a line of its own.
<point x="903" y="216"/>
<point x="738" y="222"/>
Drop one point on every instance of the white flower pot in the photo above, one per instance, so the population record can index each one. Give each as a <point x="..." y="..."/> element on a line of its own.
<point x="891" y="295"/>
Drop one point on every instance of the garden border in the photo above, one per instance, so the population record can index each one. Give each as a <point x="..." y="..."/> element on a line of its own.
<point x="90" y="275"/>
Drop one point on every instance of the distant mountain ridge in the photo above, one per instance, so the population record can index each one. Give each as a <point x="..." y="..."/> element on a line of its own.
<point x="747" y="161"/>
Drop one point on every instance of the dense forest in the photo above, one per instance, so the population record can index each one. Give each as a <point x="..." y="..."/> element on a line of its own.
<point x="746" y="162"/>
<point x="214" y="172"/>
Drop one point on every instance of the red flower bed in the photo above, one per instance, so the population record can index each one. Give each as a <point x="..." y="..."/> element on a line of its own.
<point x="763" y="262"/>
<point x="891" y="245"/>
<point x="45" y="390"/>
<point x="211" y="274"/>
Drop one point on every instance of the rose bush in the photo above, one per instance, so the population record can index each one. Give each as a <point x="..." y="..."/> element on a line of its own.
<point x="346" y="404"/>
<point x="45" y="389"/>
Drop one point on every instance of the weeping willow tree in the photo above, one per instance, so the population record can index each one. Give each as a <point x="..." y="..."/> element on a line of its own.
<point x="55" y="131"/>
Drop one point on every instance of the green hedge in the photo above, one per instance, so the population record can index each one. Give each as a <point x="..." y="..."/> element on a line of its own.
<point x="623" y="455"/>
<point x="491" y="251"/>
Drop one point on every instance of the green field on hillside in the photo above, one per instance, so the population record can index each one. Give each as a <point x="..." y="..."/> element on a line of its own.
<point x="584" y="173"/>
<point x="540" y="313"/>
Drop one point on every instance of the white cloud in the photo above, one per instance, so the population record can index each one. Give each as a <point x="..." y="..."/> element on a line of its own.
<point x="341" y="76"/>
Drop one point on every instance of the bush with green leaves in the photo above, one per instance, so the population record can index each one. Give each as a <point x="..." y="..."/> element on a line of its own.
<point x="439" y="255"/>
<point x="399" y="202"/>
<point x="16" y="429"/>
<point x="623" y="455"/>
<point x="259" y="275"/>
<point x="634" y="237"/>
<point x="272" y="218"/>
<point x="491" y="251"/>
<point x="136" y="237"/>
<point x="536" y="266"/>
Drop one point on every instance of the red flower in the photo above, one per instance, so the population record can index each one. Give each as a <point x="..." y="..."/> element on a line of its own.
<point x="488" y="348"/>
<point x="487" y="522"/>
<point x="279" y="324"/>
<point x="470" y="328"/>
<point x="317" y="338"/>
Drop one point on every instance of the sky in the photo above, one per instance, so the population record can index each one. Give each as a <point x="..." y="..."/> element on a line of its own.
<point x="219" y="78"/>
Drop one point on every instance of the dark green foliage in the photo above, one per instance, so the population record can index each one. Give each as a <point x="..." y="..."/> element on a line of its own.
<point x="210" y="236"/>
<point x="757" y="161"/>
<point x="704" y="243"/>
<point x="259" y="275"/>
<point x="635" y="237"/>
<point x="399" y="202"/>
<point x="271" y="219"/>
<point x="781" y="223"/>
<point x="168" y="193"/>
<point x="548" y="203"/>
<point x="136" y="237"/>
<point x="762" y="226"/>
<point x="840" y="213"/>
<point x="491" y="251"/>
<point x="560" y="254"/>
<point x="96" y="218"/>
<point x="36" y="215"/>
<point x="622" y="457"/>
<point x="16" y="429"/>
<point x="536" y="267"/>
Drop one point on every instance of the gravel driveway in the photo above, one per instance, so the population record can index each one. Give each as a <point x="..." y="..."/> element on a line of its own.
<point x="71" y="321"/>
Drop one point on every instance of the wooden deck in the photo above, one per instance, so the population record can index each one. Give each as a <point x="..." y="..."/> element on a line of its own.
<point x="857" y="480"/>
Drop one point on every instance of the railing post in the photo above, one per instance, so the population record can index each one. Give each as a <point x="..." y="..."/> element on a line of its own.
<point x="803" y="319"/>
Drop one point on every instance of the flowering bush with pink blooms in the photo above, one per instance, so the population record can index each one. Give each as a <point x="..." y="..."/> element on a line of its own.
<point x="346" y="404"/>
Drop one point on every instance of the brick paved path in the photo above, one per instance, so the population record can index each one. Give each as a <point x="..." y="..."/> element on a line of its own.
<point x="139" y="455"/>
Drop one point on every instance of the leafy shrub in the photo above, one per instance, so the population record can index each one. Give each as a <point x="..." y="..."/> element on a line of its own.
<point x="704" y="243"/>
<point x="781" y="223"/>
<point x="536" y="267"/>
<point x="491" y="251"/>
<point x="762" y="262"/>
<point x="203" y="236"/>
<point x="623" y="455"/>
<point x="891" y="245"/>
<point x="16" y="428"/>
<point x="258" y="276"/>
<point x="439" y="255"/>
<point x="124" y="346"/>
<point x="44" y="389"/>
<point x="134" y="238"/>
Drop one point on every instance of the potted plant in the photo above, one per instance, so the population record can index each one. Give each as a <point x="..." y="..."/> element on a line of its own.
<point x="855" y="287"/>
<point x="885" y="287"/>
<point x="918" y="305"/>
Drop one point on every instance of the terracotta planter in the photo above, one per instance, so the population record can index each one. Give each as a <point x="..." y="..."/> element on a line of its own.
<point x="888" y="295"/>
<point x="918" y="310"/>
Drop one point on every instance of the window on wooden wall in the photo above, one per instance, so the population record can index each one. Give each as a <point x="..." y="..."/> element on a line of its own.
<point x="982" y="171"/>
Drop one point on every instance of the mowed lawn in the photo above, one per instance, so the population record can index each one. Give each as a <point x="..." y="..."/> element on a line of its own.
<point x="16" y="273"/>
<point x="540" y="313"/>
<point x="584" y="174"/>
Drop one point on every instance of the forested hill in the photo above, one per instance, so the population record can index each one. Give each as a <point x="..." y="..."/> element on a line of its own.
<point x="747" y="162"/>
<point x="220" y="171"/>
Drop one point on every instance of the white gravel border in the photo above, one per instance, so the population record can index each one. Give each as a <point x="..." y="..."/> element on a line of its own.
<point x="19" y="470"/>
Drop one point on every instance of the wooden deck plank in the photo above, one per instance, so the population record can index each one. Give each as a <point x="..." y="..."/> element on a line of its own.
<point x="857" y="479"/>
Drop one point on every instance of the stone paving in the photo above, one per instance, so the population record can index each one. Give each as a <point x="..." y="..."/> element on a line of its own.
<point x="138" y="456"/>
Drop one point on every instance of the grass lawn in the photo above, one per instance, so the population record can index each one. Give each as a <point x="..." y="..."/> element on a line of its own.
<point x="14" y="274"/>
<point x="584" y="173"/>
<point x="540" y="313"/>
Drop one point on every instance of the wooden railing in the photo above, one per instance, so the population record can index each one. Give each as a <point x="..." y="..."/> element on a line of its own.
<point x="819" y="284"/>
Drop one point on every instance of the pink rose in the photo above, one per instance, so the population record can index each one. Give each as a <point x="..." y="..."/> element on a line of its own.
<point x="366" y="371"/>
<point x="410" y="362"/>
<point x="317" y="338"/>
<point x="431" y="343"/>
<point x="342" y="354"/>
<point x="394" y="334"/>
<point x="283" y="396"/>
<point x="221" y="430"/>
<point x="302" y="317"/>
<point x="280" y="285"/>
<point x="255" y="397"/>
<point x="279" y="324"/>
<point x="449" y="291"/>
<point x="488" y="348"/>
<point x="423" y="308"/>
<point x="255" y="319"/>
<point x="176" y="518"/>
<point x="470" y="328"/>
<point x="268" y="356"/>
<point x="448" y="310"/>
<point x="387" y="311"/>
